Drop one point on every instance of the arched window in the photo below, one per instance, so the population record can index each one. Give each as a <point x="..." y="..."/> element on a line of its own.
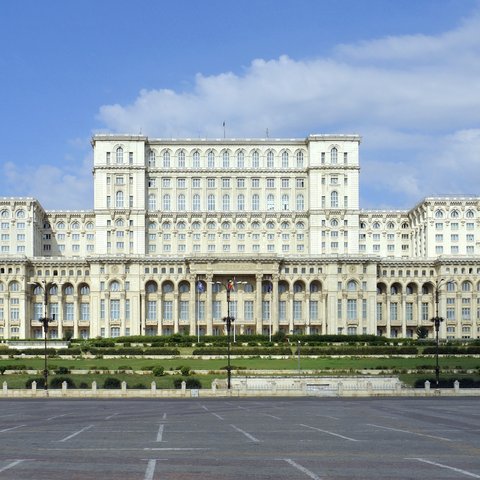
<point x="255" y="202"/>
<point x="454" y="214"/>
<point x="334" y="199"/>
<point x="333" y="155"/>
<point x="241" y="202"/>
<point x="255" y="159"/>
<point x="394" y="290"/>
<point x="196" y="202"/>
<point x="226" y="159"/>
<point x="20" y="213"/>
<point x="285" y="226"/>
<point x="241" y="225"/>
<point x="270" y="201"/>
<point x="151" y="287"/>
<point x="211" y="202"/>
<point x="119" y="199"/>
<point x="166" y="159"/>
<point x="270" y="225"/>
<point x="152" y="202"/>
<point x="376" y="225"/>
<point x="405" y="225"/>
<point x="334" y="222"/>
<point x="60" y="225"/>
<point x="438" y="214"/>
<point x="114" y="286"/>
<point x="151" y="159"/>
<point x="300" y="202"/>
<point x="285" y="202"/>
<point x="166" y="202"/>
<point x="166" y="225"/>
<point x="196" y="159"/>
<point x="119" y="155"/>
<point x="255" y="225"/>
<point x="270" y="159"/>
<point x="181" y="159"/>
<point x="211" y="159"/>
<point x="89" y="226"/>
<point x="84" y="290"/>
<point x="68" y="289"/>
<point x="352" y="286"/>
<point x="152" y="226"/>
<point x="390" y="225"/>
<point x="184" y="287"/>
<point x="466" y="287"/>
<point x="298" y="287"/>
<point x="5" y="214"/>
<point x="119" y="222"/>
<point x="75" y="226"/>
<point x="300" y="159"/>
<point x="299" y="225"/>
<point x="240" y="159"/>
<point x="196" y="225"/>
<point x="285" y="159"/>
<point x="167" y="287"/>
<point x="470" y="214"/>
<point x="226" y="202"/>
<point x="14" y="287"/>
<point x="181" y="205"/>
<point x="211" y="225"/>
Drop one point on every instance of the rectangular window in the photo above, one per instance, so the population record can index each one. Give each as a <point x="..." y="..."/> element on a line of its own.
<point x="425" y="315"/>
<point x="351" y="309"/>
<point x="216" y="310"/>
<point x="184" y="309"/>
<point x="409" y="311"/>
<point x="114" y="309"/>
<point x="393" y="311"/>
<point x="313" y="310"/>
<point x="282" y="310"/>
<point x="68" y="314"/>
<point x="265" y="310"/>
<point x="297" y="310"/>
<point x="168" y="310"/>
<point x="364" y="309"/>
<point x="85" y="312"/>
<point x="379" y="312"/>
<point x="248" y="310"/>
<point x="151" y="310"/>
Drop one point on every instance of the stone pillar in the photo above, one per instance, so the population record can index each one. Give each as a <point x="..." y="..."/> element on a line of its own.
<point x="427" y="387"/>
<point x="124" y="387"/>
<point x="258" y="304"/>
<point x="5" y="389"/>
<point x="153" y="388"/>
<point x="456" y="386"/>
<point x="208" y="305"/>
<point x="274" y="309"/>
<point x="64" y="389"/>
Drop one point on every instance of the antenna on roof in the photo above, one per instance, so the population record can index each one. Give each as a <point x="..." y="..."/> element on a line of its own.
<point x="224" y="129"/>
<point x="267" y="133"/>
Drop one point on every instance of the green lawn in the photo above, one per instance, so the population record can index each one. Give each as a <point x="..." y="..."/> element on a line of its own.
<point x="327" y="365"/>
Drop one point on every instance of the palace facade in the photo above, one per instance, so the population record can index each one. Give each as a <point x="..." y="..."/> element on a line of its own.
<point x="175" y="220"/>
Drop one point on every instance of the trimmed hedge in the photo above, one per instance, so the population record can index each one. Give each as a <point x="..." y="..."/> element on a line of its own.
<point x="243" y="351"/>
<point x="386" y="350"/>
<point x="466" y="382"/>
<point x="134" y="351"/>
<point x="468" y="350"/>
<point x="190" y="382"/>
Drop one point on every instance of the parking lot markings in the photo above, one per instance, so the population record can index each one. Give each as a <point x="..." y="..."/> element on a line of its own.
<point x="75" y="434"/>
<point x="410" y="432"/>
<point x="150" y="470"/>
<point x="441" y="465"/>
<point x="250" y="437"/>
<point x="160" y="432"/>
<point x="11" y="428"/>
<point x="330" y="433"/>
<point x="11" y="465"/>
<point x="307" y="472"/>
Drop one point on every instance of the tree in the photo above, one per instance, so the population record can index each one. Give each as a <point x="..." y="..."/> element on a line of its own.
<point x="422" y="332"/>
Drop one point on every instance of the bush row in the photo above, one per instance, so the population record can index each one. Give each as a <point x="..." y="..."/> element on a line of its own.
<point x="243" y="351"/>
<point x="109" y="383"/>
<point x="358" y="351"/>
<point x="447" y="349"/>
<point x="466" y="382"/>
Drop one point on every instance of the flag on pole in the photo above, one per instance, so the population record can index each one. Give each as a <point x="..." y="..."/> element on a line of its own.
<point x="230" y="286"/>
<point x="200" y="287"/>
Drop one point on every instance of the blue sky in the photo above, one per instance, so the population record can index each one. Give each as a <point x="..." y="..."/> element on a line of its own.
<point x="405" y="75"/>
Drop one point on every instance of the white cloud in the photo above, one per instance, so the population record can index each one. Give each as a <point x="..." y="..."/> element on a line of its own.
<point x="413" y="99"/>
<point x="59" y="188"/>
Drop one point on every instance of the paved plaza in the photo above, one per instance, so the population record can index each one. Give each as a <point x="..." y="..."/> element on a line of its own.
<point x="294" y="439"/>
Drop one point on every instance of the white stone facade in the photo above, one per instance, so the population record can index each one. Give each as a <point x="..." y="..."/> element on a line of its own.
<point x="280" y="217"/>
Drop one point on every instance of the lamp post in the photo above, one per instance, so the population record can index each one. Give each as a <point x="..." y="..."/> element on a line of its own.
<point x="45" y="320"/>
<point x="229" y="287"/>
<point x="298" y="354"/>
<point x="436" y="322"/>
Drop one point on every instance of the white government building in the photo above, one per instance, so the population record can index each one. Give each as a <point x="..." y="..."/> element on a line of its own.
<point x="174" y="220"/>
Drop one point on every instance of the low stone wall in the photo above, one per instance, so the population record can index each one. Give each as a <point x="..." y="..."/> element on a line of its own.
<point x="255" y="387"/>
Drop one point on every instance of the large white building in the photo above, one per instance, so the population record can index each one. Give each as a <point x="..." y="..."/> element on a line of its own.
<point x="173" y="220"/>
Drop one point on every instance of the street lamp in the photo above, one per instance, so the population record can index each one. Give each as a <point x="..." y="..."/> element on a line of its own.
<point x="45" y="320"/>
<point x="229" y="287"/>
<point x="436" y="322"/>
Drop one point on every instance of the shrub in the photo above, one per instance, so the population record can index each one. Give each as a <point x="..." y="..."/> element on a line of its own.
<point x="62" y="371"/>
<point x="2" y="369"/>
<point x="185" y="371"/>
<point x="56" y="382"/>
<point x="40" y="382"/>
<point x="83" y="385"/>
<point x="190" y="383"/>
<point x="139" y="386"/>
<point x="158" y="371"/>
<point x="112" y="383"/>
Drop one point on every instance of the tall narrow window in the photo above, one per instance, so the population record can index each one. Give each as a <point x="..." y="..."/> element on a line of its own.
<point x="255" y="202"/>
<point x="119" y="199"/>
<point x="241" y="202"/>
<point x="334" y="199"/>
<point x="181" y="159"/>
<point x="152" y="202"/>
<point x="240" y="160"/>
<point x="226" y="202"/>
<point x="255" y="159"/>
<point x="166" y="202"/>
<point x="333" y="155"/>
<point x="211" y="160"/>
<point x="181" y="203"/>
<point x="285" y="160"/>
<point x="196" y="202"/>
<point x="196" y="159"/>
<point x="300" y="202"/>
<point x="166" y="159"/>
<point x="270" y="159"/>
<point x="211" y="203"/>
<point x="300" y="159"/>
<point x="226" y="160"/>
<point x="119" y="155"/>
